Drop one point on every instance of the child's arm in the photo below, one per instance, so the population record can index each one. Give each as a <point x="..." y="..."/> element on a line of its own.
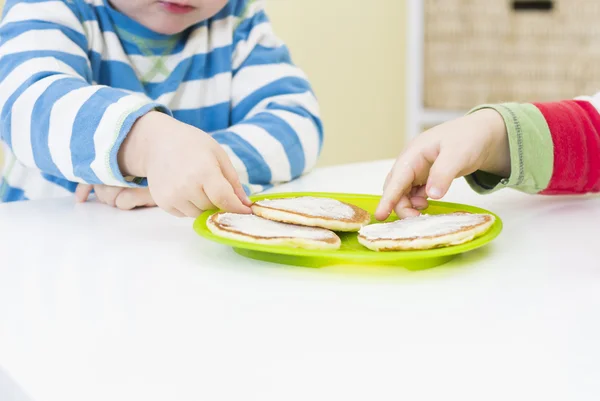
<point x="52" y="115"/>
<point x="554" y="147"/>
<point x="547" y="148"/>
<point x="55" y="118"/>
<point x="276" y="133"/>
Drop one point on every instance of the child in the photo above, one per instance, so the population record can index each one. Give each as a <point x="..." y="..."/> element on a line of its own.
<point x="184" y="97"/>
<point x="547" y="148"/>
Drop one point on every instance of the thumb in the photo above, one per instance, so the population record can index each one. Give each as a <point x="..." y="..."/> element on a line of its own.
<point x="130" y="198"/>
<point x="82" y="193"/>
<point x="445" y="169"/>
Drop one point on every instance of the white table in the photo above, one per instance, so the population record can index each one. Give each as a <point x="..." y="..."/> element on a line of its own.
<point x="97" y="305"/>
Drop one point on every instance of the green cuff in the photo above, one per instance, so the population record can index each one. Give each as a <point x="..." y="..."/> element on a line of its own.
<point x="531" y="151"/>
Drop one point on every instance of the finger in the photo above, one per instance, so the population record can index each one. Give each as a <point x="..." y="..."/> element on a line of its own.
<point x="419" y="203"/>
<point x="202" y="202"/>
<point x="82" y="193"/>
<point x="445" y="169"/>
<point x="418" y="198"/>
<point x="174" y="212"/>
<point x="233" y="178"/>
<point x="387" y="180"/>
<point x="399" y="183"/>
<point x="107" y="195"/>
<point x="188" y="209"/>
<point x="132" y="198"/>
<point x="421" y="191"/>
<point x="243" y="196"/>
<point x="405" y="208"/>
<point x="221" y="194"/>
<point x="418" y="191"/>
<point x="168" y="207"/>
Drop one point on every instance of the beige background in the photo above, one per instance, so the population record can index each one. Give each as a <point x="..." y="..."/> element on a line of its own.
<point x="354" y="54"/>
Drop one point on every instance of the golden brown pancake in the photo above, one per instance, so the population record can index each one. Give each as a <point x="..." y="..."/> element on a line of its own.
<point x="425" y="232"/>
<point x="254" y="229"/>
<point x="313" y="212"/>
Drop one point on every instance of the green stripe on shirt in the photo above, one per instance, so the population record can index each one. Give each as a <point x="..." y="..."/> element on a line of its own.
<point x="531" y="151"/>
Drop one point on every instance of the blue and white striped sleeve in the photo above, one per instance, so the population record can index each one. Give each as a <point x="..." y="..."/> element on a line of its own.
<point x="277" y="132"/>
<point x="52" y="116"/>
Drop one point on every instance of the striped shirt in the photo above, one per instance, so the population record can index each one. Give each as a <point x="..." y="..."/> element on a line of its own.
<point x="76" y="74"/>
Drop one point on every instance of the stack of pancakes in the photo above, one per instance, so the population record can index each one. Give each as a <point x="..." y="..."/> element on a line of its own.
<point x="303" y="222"/>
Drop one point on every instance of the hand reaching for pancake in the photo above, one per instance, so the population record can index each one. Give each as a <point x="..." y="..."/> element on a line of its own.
<point x="435" y="158"/>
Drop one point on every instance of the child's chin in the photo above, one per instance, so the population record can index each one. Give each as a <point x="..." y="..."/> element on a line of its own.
<point x="169" y="31"/>
<point x="165" y="28"/>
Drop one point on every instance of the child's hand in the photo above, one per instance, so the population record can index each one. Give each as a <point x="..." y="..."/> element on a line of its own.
<point x="121" y="198"/>
<point x="435" y="158"/>
<point x="187" y="170"/>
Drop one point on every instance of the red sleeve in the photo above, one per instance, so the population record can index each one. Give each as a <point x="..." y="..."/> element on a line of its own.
<point x="575" y="129"/>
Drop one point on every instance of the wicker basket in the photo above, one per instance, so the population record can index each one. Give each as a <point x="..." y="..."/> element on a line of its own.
<point x="479" y="51"/>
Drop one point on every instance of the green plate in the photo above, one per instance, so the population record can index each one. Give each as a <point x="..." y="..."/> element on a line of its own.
<point x="351" y="252"/>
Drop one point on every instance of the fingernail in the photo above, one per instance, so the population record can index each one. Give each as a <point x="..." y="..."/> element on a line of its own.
<point x="435" y="193"/>
<point x="380" y="214"/>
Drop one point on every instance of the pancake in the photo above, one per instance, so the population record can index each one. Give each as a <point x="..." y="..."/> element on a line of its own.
<point x="255" y="229"/>
<point x="425" y="232"/>
<point x="313" y="212"/>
